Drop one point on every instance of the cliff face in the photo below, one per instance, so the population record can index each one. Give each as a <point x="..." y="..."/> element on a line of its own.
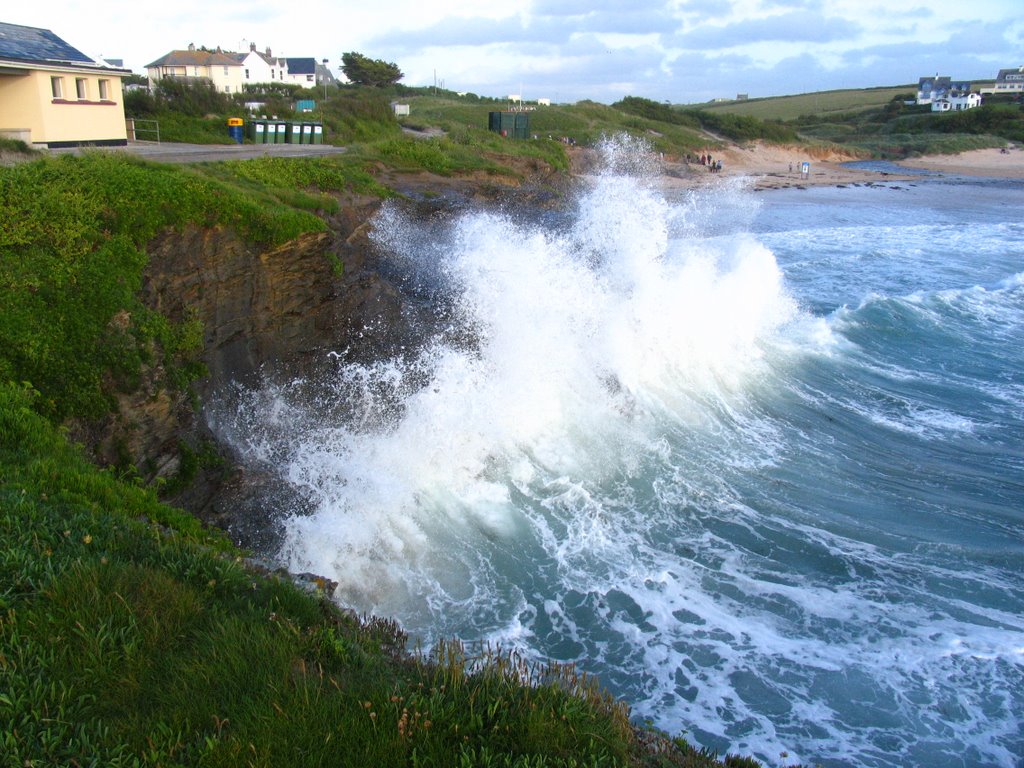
<point x="268" y="314"/>
<point x="263" y="312"/>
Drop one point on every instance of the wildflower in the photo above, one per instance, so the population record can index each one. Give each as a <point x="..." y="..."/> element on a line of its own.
<point x="87" y="538"/>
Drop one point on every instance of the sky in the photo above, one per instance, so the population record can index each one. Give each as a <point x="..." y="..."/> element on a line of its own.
<point x="678" y="51"/>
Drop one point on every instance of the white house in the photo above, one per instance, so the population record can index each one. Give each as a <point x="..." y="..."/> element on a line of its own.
<point x="260" y="66"/>
<point x="957" y="103"/>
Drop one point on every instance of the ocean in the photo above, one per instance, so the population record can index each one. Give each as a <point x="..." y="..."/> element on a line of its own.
<point x="754" y="460"/>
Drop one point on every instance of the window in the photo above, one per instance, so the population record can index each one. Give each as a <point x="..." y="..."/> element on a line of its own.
<point x="227" y="89"/>
<point x="57" y="87"/>
<point x="104" y="90"/>
<point x="309" y="78"/>
<point x="247" y="74"/>
<point x="82" y="88"/>
<point x="271" y="74"/>
<point x="225" y="69"/>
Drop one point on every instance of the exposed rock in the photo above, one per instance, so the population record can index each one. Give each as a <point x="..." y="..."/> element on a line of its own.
<point x="291" y="311"/>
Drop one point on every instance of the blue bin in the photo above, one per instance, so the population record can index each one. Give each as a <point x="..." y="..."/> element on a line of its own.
<point x="236" y="129"/>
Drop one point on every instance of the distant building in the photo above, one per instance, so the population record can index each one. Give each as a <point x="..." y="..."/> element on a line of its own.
<point x="957" y="103"/>
<point x="931" y="89"/>
<point x="1008" y="81"/>
<point x="301" y="71"/>
<point x="946" y="94"/>
<point x="221" y="69"/>
<point x="261" y="66"/>
<point x="53" y="95"/>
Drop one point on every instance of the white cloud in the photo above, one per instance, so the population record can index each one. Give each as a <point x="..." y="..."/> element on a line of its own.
<point x="677" y="50"/>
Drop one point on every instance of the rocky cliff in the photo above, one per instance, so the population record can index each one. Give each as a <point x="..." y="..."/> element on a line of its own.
<point x="267" y="314"/>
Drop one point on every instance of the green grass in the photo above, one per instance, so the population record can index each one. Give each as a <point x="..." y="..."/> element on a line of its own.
<point x="585" y="122"/>
<point x="130" y="636"/>
<point x="16" y="146"/>
<point x="821" y="105"/>
<point x="73" y="232"/>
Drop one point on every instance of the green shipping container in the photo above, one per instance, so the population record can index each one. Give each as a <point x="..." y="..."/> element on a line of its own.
<point x="513" y="125"/>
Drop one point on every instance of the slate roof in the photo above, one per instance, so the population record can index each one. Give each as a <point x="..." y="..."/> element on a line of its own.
<point x="301" y="66"/>
<point x="194" y="58"/>
<point x="34" y="44"/>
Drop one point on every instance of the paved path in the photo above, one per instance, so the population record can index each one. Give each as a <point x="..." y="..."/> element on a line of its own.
<point x="169" y="152"/>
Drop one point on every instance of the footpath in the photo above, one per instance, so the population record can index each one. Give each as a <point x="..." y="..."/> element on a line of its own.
<point x="171" y="152"/>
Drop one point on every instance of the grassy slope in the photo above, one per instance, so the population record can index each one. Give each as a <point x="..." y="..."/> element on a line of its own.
<point x="821" y="105"/>
<point x="876" y="121"/>
<point x="128" y="636"/>
<point x="131" y="636"/>
<point x="585" y="122"/>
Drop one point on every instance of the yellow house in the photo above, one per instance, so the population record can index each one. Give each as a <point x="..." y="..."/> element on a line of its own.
<point x="221" y="69"/>
<point x="53" y="95"/>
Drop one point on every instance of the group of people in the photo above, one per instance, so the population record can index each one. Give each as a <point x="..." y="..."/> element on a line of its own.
<point x="713" y="166"/>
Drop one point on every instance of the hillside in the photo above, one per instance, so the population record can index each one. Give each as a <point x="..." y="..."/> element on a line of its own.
<point x="819" y="105"/>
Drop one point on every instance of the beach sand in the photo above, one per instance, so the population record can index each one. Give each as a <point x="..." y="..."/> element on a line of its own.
<point x="768" y="166"/>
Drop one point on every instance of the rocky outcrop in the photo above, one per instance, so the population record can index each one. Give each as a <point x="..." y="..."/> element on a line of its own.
<point x="290" y="311"/>
<point x="263" y="312"/>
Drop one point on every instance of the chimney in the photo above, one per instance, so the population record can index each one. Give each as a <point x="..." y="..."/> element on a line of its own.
<point x="268" y="52"/>
<point x="191" y="46"/>
<point x="219" y="50"/>
<point x="252" y="47"/>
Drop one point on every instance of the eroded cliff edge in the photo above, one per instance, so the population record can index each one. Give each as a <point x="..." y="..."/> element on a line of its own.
<point x="271" y="314"/>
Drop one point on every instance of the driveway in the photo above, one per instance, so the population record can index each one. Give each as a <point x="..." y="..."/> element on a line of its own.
<point x="169" y="152"/>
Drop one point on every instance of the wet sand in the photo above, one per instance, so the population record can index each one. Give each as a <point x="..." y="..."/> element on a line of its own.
<point x="765" y="167"/>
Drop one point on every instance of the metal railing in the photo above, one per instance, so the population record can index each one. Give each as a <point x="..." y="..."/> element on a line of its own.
<point x="142" y="130"/>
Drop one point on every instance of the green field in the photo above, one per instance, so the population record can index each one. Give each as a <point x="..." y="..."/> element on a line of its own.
<point x="821" y="104"/>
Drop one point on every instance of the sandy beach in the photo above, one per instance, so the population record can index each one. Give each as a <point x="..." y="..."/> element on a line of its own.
<point x="777" y="167"/>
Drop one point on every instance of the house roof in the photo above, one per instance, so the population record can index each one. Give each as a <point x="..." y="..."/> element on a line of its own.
<point x="301" y="66"/>
<point x="195" y="58"/>
<point x="272" y="61"/>
<point x="34" y="44"/>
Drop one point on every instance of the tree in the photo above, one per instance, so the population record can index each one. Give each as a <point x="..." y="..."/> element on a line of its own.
<point x="362" y="70"/>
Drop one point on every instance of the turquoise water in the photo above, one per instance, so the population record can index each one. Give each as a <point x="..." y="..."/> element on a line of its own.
<point x="755" y="460"/>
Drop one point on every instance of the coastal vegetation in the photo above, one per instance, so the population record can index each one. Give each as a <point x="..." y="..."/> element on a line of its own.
<point x="130" y="634"/>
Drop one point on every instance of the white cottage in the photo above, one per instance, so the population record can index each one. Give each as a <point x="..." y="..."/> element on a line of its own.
<point x="956" y="103"/>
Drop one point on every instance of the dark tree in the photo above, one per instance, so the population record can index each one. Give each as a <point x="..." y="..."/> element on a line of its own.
<point x="362" y="70"/>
